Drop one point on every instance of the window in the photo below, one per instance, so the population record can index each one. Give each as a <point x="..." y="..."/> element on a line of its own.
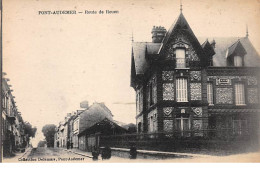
<point x="76" y="125"/>
<point x="210" y="93"/>
<point x="152" y="122"/>
<point x="182" y="124"/>
<point x="181" y="90"/>
<point x="139" y="127"/>
<point x="237" y="61"/>
<point x="240" y="94"/>
<point x="180" y="58"/>
<point x="239" y="127"/>
<point x="141" y="100"/>
<point x="3" y="101"/>
<point x="151" y="93"/>
<point x="148" y="95"/>
<point x="137" y="101"/>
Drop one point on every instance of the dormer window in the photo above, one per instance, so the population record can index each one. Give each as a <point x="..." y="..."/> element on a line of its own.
<point x="180" y="58"/>
<point x="238" y="61"/>
<point x="235" y="55"/>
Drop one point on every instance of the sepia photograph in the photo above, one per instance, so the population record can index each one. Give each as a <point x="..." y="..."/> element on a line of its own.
<point x="130" y="81"/>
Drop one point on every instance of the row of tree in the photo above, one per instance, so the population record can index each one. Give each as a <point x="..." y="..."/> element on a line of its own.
<point x="48" y="132"/>
<point x="28" y="129"/>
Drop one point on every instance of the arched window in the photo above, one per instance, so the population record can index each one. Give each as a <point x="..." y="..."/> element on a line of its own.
<point x="237" y="61"/>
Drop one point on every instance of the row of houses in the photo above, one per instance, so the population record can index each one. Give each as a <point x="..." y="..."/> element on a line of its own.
<point x="82" y="129"/>
<point x="14" y="135"/>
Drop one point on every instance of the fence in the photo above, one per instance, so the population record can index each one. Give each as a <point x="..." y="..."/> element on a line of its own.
<point x="172" y="141"/>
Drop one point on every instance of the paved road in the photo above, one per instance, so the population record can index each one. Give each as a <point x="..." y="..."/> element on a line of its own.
<point x="43" y="154"/>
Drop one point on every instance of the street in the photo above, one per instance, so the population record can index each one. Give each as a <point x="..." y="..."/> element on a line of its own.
<point x="44" y="154"/>
<point x="59" y="155"/>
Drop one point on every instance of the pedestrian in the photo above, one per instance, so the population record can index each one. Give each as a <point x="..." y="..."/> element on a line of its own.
<point x="68" y="144"/>
<point x="95" y="154"/>
<point x="106" y="153"/>
<point x="133" y="152"/>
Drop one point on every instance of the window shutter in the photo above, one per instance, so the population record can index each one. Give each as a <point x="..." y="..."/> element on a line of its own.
<point x="187" y="59"/>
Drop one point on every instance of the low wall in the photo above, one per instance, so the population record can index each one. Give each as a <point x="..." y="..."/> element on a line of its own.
<point x="144" y="154"/>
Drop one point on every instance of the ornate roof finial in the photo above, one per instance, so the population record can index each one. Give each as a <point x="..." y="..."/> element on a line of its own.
<point x="181" y="6"/>
<point x="247" y="31"/>
<point x="132" y="38"/>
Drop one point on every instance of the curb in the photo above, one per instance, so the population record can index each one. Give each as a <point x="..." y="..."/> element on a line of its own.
<point x="78" y="153"/>
<point x="26" y="153"/>
<point x="150" y="152"/>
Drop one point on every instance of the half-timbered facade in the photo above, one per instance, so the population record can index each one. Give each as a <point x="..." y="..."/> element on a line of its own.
<point x="194" y="88"/>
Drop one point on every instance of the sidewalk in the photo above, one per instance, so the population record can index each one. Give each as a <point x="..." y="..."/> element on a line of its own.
<point x="89" y="155"/>
<point x="17" y="156"/>
<point x="80" y="152"/>
<point x="143" y="155"/>
<point x="196" y="158"/>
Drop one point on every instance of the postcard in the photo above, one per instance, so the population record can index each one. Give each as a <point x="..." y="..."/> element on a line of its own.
<point x="128" y="81"/>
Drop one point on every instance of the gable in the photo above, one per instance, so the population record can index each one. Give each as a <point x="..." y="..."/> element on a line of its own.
<point x="181" y="35"/>
<point x="236" y="49"/>
<point x="180" y="40"/>
<point x="208" y="49"/>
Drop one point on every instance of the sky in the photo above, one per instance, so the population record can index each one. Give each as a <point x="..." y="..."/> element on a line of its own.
<point x="56" y="61"/>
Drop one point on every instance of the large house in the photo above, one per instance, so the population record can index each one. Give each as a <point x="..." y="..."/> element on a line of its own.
<point x="192" y="87"/>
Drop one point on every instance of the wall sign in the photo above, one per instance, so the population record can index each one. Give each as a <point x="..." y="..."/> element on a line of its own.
<point x="223" y="81"/>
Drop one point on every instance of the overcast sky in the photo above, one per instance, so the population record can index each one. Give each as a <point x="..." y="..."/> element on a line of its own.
<point x="56" y="61"/>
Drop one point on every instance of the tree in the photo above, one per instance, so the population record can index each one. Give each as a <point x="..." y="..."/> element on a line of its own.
<point x="41" y="143"/>
<point x="28" y="129"/>
<point x="131" y="128"/>
<point x="49" y="131"/>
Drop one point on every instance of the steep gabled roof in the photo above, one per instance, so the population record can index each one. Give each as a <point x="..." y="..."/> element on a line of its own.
<point x="141" y="51"/>
<point x="94" y="114"/>
<point x="105" y="126"/>
<point x="139" y="48"/>
<point x="235" y="48"/>
<point x="181" y="23"/>
<point x="208" y="49"/>
<point x="251" y="58"/>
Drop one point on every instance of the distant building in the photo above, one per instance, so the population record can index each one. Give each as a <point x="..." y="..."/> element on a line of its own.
<point x="188" y="88"/>
<point x="13" y="134"/>
<point x="95" y="113"/>
<point x="61" y="135"/>
<point x="76" y="120"/>
<point x="81" y="129"/>
<point x="91" y="138"/>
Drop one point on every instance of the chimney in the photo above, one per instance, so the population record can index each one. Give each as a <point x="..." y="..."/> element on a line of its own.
<point x="213" y="44"/>
<point x="158" y="33"/>
<point x="84" y="104"/>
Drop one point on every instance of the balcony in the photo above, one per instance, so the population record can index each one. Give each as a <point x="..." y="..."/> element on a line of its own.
<point x="181" y="63"/>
